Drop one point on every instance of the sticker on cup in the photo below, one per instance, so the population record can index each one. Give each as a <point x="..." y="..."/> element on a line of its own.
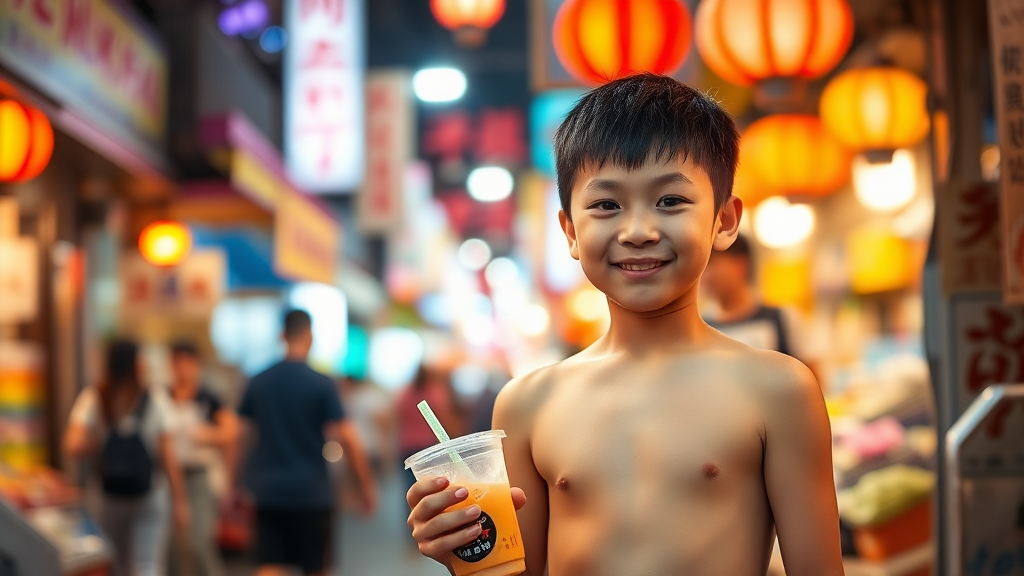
<point x="479" y="549"/>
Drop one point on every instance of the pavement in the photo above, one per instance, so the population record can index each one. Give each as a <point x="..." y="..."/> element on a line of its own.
<point x="378" y="546"/>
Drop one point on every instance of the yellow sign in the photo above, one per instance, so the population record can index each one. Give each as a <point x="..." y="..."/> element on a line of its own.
<point x="91" y="57"/>
<point x="305" y="240"/>
<point x="254" y="179"/>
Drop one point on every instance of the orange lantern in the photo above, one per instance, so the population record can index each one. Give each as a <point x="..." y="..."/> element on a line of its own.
<point x="26" y="141"/>
<point x="876" y="109"/>
<point x="165" y="243"/>
<point x="469" y="19"/>
<point x="601" y="40"/>
<point x="794" y="155"/>
<point x="746" y="41"/>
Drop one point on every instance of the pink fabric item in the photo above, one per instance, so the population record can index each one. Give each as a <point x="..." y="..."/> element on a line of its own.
<point x="876" y="438"/>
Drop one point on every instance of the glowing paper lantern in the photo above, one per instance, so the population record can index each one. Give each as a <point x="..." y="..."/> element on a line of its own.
<point x="165" y="243"/>
<point x="469" y="19"/>
<point x="876" y="109"/>
<point x="26" y="141"/>
<point x="746" y="41"/>
<point x="794" y="155"/>
<point x="601" y="40"/>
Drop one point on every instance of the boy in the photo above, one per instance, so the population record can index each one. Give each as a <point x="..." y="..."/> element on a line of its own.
<point x="665" y="448"/>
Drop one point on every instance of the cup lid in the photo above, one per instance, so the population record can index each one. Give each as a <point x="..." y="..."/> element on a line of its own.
<point x="468" y="442"/>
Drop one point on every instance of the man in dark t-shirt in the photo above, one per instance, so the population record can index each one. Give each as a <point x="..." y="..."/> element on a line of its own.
<point x="728" y="281"/>
<point x="293" y="411"/>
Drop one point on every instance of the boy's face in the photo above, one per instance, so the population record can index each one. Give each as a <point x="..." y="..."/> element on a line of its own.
<point x="644" y="236"/>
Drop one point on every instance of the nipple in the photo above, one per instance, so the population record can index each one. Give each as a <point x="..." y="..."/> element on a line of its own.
<point x="563" y="483"/>
<point x="711" y="470"/>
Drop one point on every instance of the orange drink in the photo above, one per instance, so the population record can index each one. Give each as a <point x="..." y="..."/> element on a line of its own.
<point x="476" y="462"/>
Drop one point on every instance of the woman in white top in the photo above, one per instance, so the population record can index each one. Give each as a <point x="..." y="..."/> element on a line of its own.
<point x="124" y="428"/>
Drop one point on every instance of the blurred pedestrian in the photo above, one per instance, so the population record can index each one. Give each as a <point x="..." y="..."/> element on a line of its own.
<point x="124" y="426"/>
<point x="291" y="411"/>
<point x="205" y="436"/>
<point x="414" y="434"/>
<point x="736" y="308"/>
<point x="371" y="410"/>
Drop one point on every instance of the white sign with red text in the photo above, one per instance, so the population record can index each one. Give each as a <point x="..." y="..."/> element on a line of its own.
<point x="324" y="95"/>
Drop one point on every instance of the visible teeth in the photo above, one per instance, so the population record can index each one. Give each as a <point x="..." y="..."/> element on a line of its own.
<point x="640" y="267"/>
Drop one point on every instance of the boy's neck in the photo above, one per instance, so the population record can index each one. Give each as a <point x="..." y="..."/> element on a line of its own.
<point x="675" y="325"/>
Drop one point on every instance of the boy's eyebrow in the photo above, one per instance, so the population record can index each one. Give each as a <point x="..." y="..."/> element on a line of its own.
<point x="609" y="185"/>
<point x="670" y="178"/>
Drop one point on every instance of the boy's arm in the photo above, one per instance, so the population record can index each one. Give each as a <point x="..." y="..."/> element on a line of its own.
<point x="798" y="473"/>
<point x="515" y="417"/>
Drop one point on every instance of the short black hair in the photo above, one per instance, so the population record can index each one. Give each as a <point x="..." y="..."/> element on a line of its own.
<point x="184" y="348"/>
<point x="296" y="322"/>
<point x="633" y="119"/>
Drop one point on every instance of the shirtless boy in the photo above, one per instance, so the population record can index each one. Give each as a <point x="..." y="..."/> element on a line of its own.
<point x="665" y="448"/>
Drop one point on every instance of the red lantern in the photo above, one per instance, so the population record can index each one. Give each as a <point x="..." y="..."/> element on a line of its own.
<point x="468" y="19"/>
<point x="600" y="40"/>
<point x="26" y="141"/>
<point x="747" y="41"/>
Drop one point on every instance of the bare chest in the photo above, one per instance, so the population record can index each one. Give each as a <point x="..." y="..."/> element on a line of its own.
<point x="685" y="440"/>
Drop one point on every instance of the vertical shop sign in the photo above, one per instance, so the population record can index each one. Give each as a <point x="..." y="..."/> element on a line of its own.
<point x="1006" y="23"/>
<point x="19" y="277"/>
<point x="388" y="150"/>
<point x="988" y="340"/>
<point x="324" y="94"/>
<point x="969" y="229"/>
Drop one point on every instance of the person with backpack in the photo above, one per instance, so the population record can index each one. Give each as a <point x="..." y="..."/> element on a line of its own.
<point x="123" y="428"/>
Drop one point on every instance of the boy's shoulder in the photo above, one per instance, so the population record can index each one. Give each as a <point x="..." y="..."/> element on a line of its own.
<point x="775" y="378"/>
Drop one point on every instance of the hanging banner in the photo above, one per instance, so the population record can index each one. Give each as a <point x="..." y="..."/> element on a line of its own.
<point x="324" y="95"/>
<point x="988" y="344"/>
<point x="1006" y="26"/>
<point x="389" y="126"/>
<point x="969" y="237"/>
<point x="92" y="56"/>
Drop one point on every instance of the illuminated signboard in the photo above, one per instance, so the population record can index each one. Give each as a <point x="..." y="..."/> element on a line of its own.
<point x="324" y="99"/>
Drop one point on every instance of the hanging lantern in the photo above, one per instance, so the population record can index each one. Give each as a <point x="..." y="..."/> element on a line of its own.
<point x="876" y="109"/>
<point x="165" y="243"/>
<point x="601" y="40"/>
<point x="794" y="155"/>
<point x="26" y="141"/>
<point x="748" y="41"/>
<point x="468" y="19"/>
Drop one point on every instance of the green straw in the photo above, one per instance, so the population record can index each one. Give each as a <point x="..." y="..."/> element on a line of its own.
<point x="439" y="431"/>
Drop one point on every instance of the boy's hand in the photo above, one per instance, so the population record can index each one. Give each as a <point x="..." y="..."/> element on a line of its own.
<point x="438" y="532"/>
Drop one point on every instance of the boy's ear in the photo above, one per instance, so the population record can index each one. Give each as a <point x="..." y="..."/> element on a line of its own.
<point x="727" y="226"/>
<point x="570" y="234"/>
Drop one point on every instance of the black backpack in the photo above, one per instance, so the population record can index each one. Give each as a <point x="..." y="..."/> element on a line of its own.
<point x="126" y="468"/>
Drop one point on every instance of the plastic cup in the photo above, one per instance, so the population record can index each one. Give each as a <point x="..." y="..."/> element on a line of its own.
<point x="498" y="551"/>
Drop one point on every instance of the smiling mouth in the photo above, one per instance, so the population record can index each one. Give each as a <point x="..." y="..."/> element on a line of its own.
<point x="641" y="267"/>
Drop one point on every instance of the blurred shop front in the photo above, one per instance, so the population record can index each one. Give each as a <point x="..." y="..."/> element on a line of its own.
<point x="88" y="82"/>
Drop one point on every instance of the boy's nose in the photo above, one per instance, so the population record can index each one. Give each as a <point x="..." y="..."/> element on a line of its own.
<point x="639" y="229"/>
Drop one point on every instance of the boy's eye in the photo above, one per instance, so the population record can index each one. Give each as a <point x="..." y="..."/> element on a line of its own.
<point x="604" y="205"/>
<point x="672" y="202"/>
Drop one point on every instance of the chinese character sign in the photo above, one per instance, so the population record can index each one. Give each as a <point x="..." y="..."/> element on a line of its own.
<point x="1007" y="26"/>
<point x="989" y="347"/>
<point x="324" y="95"/>
<point x="389" y="128"/>
<point x="970" y="237"/>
